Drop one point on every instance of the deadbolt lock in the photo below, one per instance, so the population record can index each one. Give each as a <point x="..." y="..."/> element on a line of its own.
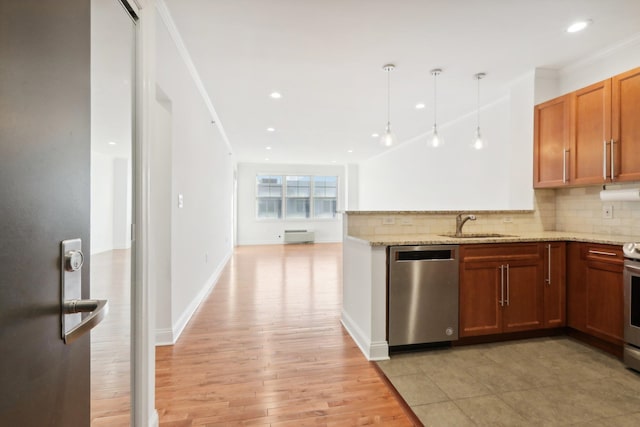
<point x="73" y="260"/>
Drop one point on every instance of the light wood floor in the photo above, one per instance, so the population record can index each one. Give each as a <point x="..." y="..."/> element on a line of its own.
<point x="267" y="348"/>
<point x="110" y="341"/>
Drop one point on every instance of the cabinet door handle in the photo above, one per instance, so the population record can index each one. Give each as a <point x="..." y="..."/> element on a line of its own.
<point x="564" y="165"/>
<point x="507" y="274"/>
<point x="604" y="160"/>
<point x="548" y="279"/>
<point x="501" y="285"/>
<point x="591" y="251"/>
<point x="613" y="164"/>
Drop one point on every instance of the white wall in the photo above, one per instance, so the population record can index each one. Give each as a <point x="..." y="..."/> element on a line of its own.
<point x="101" y="202"/>
<point x="602" y="65"/>
<point x="252" y="231"/>
<point x="122" y="205"/>
<point x="202" y="171"/>
<point x="110" y="202"/>
<point x="352" y="188"/>
<point x="160" y="196"/>
<point x="454" y="176"/>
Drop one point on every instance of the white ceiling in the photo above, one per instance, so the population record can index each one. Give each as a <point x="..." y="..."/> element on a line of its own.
<point x="326" y="58"/>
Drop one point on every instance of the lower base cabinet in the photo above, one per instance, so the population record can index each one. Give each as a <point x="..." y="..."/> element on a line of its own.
<point x="595" y="290"/>
<point x="512" y="287"/>
<point x="501" y="288"/>
<point x="555" y="280"/>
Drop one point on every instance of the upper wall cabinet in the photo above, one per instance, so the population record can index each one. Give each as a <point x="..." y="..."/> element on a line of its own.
<point x="625" y="125"/>
<point x="599" y="131"/>
<point x="552" y="136"/>
<point x="591" y="134"/>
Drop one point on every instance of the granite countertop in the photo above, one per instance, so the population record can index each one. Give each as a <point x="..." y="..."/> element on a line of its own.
<point x="441" y="212"/>
<point x="544" y="236"/>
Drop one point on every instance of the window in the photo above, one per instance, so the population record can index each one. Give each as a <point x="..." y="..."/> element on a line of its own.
<point x="298" y="196"/>
<point x="325" y="196"/>
<point x="269" y="196"/>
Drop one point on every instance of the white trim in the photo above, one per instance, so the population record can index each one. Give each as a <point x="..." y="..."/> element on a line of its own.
<point x="600" y="55"/>
<point x="143" y="412"/>
<point x="169" y="336"/>
<point x="164" y="13"/>
<point x="154" y="421"/>
<point x="378" y="350"/>
<point x="164" y="337"/>
<point x="281" y="242"/>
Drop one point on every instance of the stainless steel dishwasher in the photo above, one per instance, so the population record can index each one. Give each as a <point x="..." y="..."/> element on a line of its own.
<point x="422" y="294"/>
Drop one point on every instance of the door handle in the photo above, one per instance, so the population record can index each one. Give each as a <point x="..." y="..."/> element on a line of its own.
<point x="548" y="279"/>
<point x="507" y="285"/>
<point x="564" y="165"/>
<point x="613" y="162"/>
<point x="502" y="285"/>
<point x="71" y="302"/>
<point x="604" y="160"/>
<point x="98" y="309"/>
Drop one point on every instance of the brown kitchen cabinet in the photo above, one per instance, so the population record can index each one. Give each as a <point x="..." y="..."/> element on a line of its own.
<point x="594" y="290"/>
<point x="555" y="295"/>
<point x="501" y="288"/>
<point x="625" y="126"/>
<point x="552" y="140"/>
<point x="589" y="136"/>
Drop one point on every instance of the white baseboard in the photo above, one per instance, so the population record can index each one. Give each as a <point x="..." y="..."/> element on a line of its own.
<point x="377" y="350"/>
<point x="166" y="336"/>
<point x="281" y="242"/>
<point x="154" y="421"/>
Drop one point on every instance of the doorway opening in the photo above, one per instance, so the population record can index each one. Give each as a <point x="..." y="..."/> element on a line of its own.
<point x="112" y="141"/>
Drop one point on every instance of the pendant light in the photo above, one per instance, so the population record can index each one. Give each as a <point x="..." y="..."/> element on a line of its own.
<point x="388" y="138"/>
<point x="478" y="142"/>
<point x="436" y="141"/>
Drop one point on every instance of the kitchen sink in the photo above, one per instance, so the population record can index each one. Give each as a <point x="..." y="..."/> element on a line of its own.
<point x="476" y="235"/>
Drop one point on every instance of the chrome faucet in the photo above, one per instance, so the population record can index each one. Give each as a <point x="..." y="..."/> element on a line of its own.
<point x="460" y="220"/>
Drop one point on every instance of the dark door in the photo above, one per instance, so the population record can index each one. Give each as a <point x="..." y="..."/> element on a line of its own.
<point x="44" y="199"/>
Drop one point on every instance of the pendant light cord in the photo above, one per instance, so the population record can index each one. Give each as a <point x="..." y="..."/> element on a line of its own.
<point x="388" y="98"/>
<point x="478" y="110"/>
<point x="435" y="97"/>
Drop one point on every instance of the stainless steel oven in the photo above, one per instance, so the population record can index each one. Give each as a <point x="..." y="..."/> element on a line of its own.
<point x="632" y="305"/>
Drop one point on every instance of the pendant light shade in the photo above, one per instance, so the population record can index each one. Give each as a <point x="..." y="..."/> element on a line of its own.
<point x="478" y="142"/>
<point x="436" y="140"/>
<point x="388" y="138"/>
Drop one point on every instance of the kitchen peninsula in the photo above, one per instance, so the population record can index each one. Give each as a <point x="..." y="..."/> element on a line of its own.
<point x="367" y="235"/>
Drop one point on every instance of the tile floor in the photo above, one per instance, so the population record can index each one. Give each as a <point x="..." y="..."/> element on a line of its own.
<point x="540" y="382"/>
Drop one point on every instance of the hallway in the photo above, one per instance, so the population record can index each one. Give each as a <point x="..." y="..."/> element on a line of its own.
<point x="267" y="348"/>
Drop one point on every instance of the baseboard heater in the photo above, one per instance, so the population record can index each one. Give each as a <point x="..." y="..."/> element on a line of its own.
<point x="299" y="236"/>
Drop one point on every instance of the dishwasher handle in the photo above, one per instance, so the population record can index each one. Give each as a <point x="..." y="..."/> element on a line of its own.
<point x="425" y="255"/>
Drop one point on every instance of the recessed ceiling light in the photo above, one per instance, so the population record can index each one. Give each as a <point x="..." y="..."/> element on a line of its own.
<point x="420" y="106"/>
<point x="271" y="130"/>
<point x="266" y="158"/>
<point x="333" y="161"/>
<point x="578" y="26"/>
<point x="349" y="151"/>
<point x="111" y="143"/>
<point x="267" y="148"/>
<point x="276" y="95"/>
<point x="375" y="135"/>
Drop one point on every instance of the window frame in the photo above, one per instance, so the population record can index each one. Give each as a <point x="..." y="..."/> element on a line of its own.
<point x="283" y="198"/>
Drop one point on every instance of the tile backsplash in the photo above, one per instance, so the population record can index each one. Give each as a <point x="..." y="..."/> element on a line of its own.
<point x="542" y="218"/>
<point x="580" y="210"/>
<point x="566" y="209"/>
